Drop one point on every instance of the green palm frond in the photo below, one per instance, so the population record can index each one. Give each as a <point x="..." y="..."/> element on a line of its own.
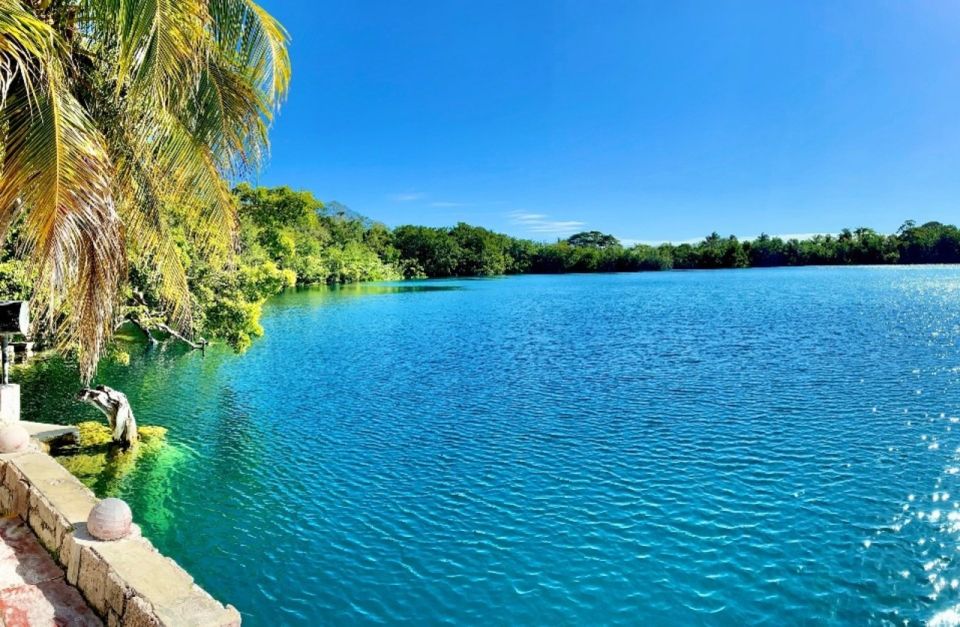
<point x="57" y="172"/>
<point x="160" y="44"/>
<point x="26" y="43"/>
<point x="129" y="116"/>
<point x="142" y="211"/>
<point x="256" y="41"/>
<point x="194" y="179"/>
<point x="232" y="116"/>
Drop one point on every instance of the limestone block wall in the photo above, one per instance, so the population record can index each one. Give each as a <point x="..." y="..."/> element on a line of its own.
<point x="127" y="582"/>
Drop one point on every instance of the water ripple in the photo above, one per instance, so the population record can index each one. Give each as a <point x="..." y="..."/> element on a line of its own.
<point x="752" y="447"/>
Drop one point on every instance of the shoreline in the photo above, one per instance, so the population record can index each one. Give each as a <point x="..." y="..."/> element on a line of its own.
<point x="126" y="581"/>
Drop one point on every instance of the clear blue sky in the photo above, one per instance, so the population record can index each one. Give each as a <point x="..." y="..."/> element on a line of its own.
<point x="650" y="120"/>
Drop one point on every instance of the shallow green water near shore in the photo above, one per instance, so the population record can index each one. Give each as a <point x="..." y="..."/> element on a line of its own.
<point x="672" y="448"/>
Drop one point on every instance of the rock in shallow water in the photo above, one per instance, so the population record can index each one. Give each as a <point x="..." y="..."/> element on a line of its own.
<point x="110" y="519"/>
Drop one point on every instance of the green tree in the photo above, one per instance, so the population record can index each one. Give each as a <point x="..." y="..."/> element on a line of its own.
<point x="593" y="239"/>
<point x="434" y="250"/>
<point x="766" y="251"/>
<point x="482" y="252"/>
<point x="122" y="122"/>
<point x="932" y="242"/>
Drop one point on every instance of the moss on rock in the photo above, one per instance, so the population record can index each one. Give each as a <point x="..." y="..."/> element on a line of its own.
<point x="95" y="434"/>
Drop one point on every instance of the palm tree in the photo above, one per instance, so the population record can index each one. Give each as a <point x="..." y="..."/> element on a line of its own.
<point x="121" y="120"/>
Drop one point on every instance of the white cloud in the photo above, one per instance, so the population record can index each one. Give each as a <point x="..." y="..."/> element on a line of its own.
<point x="541" y="224"/>
<point x="697" y="240"/>
<point x="628" y="242"/>
<point x="797" y="236"/>
<point x="407" y="196"/>
<point x="657" y="242"/>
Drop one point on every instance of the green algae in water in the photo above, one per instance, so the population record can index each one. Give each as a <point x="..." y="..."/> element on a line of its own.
<point x="141" y="476"/>
<point x="106" y="469"/>
<point x="101" y="465"/>
<point x="147" y="478"/>
<point x="49" y="385"/>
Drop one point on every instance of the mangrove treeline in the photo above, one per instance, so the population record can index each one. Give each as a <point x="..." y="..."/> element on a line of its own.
<point x="288" y="238"/>
<point x="466" y="250"/>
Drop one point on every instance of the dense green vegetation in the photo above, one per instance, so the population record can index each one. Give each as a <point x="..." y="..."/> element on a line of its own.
<point x="473" y="251"/>
<point x="288" y="238"/>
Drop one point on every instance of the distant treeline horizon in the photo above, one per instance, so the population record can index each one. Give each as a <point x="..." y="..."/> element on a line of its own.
<point x="466" y="250"/>
<point x="329" y="243"/>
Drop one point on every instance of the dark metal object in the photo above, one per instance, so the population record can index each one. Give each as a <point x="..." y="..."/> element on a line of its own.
<point x="14" y="317"/>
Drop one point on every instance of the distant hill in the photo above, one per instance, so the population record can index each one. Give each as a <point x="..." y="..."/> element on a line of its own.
<point x="334" y="209"/>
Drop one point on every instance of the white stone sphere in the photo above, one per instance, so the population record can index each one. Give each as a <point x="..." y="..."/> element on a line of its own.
<point x="13" y="438"/>
<point x="110" y="519"/>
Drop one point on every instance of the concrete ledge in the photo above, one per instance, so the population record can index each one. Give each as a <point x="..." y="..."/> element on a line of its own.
<point x="127" y="582"/>
<point x="51" y="433"/>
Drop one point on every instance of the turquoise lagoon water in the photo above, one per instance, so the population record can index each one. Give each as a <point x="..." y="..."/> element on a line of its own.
<point x="721" y="447"/>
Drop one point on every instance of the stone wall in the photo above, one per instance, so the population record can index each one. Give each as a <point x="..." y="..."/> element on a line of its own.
<point x="127" y="582"/>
